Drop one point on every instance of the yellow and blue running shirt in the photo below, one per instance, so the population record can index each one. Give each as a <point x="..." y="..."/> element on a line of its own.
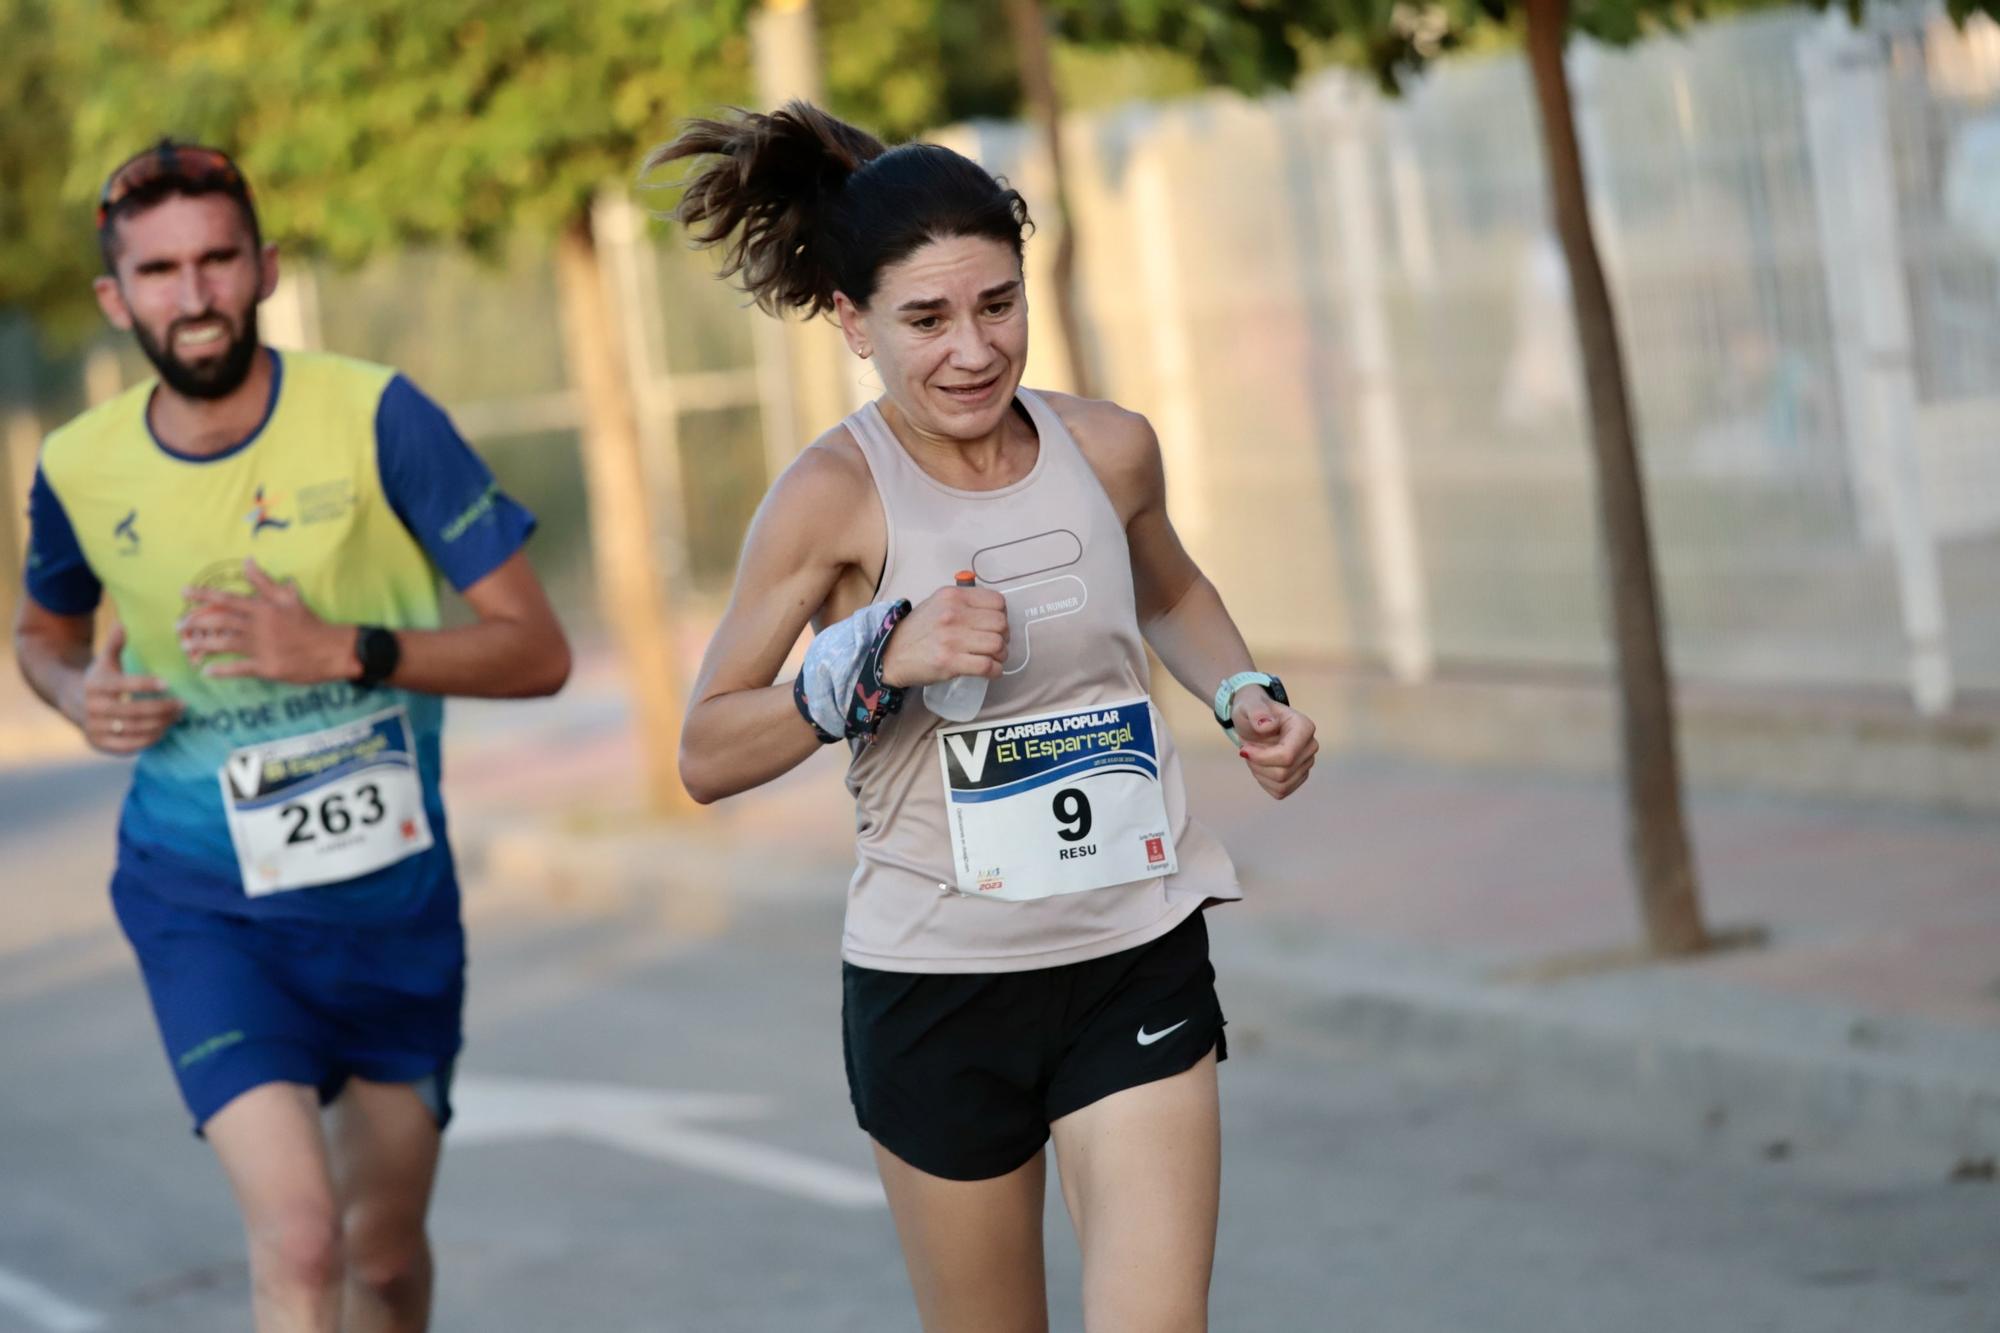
<point x="357" y="487"/>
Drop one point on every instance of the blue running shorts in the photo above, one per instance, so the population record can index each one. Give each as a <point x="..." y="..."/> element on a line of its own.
<point x="243" y="1002"/>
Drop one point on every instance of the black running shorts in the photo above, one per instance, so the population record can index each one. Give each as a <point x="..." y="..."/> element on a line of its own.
<point x="961" y="1074"/>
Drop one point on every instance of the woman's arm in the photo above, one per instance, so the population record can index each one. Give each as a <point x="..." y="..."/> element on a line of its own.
<point x="803" y="562"/>
<point x="1180" y="611"/>
<point x="741" y="730"/>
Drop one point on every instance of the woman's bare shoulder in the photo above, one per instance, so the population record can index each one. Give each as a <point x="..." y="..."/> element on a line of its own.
<point x="824" y="502"/>
<point x="1119" y="444"/>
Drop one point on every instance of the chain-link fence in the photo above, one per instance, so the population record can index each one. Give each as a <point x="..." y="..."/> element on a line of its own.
<point x="1355" y="313"/>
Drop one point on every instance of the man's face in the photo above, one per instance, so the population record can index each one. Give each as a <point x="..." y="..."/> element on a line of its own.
<point x="187" y="282"/>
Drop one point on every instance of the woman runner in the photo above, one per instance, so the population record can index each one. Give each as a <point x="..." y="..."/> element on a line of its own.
<point x="1025" y="955"/>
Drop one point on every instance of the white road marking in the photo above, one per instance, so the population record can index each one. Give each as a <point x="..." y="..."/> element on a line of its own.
<point x="749" y="1163"/>
<point x="43" y="1308"/>
<point x="651" y="1124"/>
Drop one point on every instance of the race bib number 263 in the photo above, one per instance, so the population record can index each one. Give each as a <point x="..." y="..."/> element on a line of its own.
<point x="1056" y="803"/>
<point x="325" y="807"/>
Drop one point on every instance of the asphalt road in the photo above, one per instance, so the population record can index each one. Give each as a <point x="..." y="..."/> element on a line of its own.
<point x="655" y="1136"/>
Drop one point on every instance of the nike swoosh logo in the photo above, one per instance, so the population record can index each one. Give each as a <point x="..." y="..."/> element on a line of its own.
<point x="1148" y="1038"/>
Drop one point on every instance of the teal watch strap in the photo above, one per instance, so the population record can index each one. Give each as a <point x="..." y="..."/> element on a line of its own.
<point x="1225" y="698"/>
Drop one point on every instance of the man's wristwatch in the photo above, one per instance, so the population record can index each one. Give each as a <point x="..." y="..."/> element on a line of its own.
<point x="1225" y="698"/>
<point x="379" y="652"/>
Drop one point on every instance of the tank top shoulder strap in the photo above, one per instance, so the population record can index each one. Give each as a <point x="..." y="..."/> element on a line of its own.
<point x="1049" y="427"/>
<point x="885" y="456"/>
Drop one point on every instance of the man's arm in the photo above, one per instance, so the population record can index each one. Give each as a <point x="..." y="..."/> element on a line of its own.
<point x="516" y="650"/>
<point x="53" y="634"/>
<point x="118" y="714"/>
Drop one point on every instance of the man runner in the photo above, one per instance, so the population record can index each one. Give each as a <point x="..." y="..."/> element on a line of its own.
<point x="270" y="531"/>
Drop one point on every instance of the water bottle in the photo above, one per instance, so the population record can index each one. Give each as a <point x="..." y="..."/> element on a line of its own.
<point x="957" y="699"/>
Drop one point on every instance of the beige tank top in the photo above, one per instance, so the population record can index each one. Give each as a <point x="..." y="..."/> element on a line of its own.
<point x="1053" y="544"/>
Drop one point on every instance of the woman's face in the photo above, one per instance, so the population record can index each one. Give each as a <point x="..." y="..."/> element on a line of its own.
<point x="948" y="330"/>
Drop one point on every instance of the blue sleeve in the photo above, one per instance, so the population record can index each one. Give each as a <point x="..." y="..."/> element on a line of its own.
<point x="441" y="490"/>
<point x="57" y="576"/>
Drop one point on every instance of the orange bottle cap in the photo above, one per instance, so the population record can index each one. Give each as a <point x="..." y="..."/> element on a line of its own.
<point x="966" y="578"/>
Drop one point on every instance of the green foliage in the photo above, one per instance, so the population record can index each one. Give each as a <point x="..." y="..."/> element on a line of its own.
<point x="47" y="256"/>
<point x="363" y="124"/>
<point x="903" y="66"/>
<point x="1257" y="45"/>
<point x="1248" y="45"/>
<point x="369" y="124"/>
<point x="1251" y="45"/>
<point x="1095" y="78"/>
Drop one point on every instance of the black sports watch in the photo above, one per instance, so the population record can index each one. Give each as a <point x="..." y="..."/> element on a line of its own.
<point x="379" y="652"/>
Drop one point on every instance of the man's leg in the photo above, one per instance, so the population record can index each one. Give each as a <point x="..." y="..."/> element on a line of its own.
<point x="385" y="1154"/>
<point x="274" y="1152"/>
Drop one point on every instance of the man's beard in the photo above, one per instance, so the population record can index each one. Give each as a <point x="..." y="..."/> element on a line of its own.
<point x="217" y="378"/>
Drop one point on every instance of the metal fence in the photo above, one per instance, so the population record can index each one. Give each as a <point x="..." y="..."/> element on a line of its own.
<point x="483" y="336"/>
<point x="1802" y="227"/>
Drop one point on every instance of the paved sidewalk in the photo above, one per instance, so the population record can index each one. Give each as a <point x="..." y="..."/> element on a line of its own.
<point x="1421" y="900"/>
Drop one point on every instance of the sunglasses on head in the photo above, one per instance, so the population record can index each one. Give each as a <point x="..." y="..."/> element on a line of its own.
<point x="182" y="164"/>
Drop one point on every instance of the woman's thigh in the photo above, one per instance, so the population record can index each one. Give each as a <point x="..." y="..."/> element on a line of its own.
<point x="1142" y="1175"/>
<point x="973" y="1247"/>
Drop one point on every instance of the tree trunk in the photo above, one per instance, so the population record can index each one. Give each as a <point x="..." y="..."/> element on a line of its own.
<point x="814" y="384"/>
<point x="20" y="439"/>
<point x="1038" y="85"/>
<point x="630" y="586"/>
<point x="1661" y="858"/>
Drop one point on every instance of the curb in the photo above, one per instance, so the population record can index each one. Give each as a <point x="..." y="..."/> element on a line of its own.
<point x="1791" y="1073"/>
<point x="1800" y="1073"/>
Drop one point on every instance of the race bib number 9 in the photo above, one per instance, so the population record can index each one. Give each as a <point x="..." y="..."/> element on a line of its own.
<point x="1057" y="803"/>
<point x="325" y="807"/>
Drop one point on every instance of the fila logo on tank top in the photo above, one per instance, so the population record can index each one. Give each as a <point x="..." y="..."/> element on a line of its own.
<point x="1037" y="575"/>
<point x="1052" y="826"/>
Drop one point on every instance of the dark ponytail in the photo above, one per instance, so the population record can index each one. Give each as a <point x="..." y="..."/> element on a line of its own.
<point x="806" y="205"/>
